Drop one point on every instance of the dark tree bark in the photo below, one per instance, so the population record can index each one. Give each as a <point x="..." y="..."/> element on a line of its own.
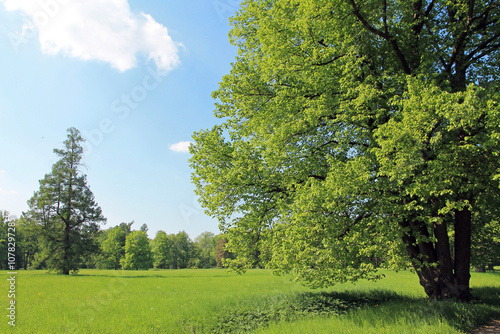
<point x="440" y="275"/>
<point x="67" y="246"/>
<point x="463" y="219"/>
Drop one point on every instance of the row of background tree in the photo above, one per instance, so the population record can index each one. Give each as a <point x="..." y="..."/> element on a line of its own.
<point x="118" y="247"/>
<point x="121" y="247"/>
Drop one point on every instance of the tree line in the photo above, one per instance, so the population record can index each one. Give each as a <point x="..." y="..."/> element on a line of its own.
<point x="118" y="247"/>
<point x="121" y="247"/>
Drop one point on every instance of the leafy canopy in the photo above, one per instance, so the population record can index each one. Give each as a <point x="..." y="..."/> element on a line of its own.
<point x="354" y="130"/>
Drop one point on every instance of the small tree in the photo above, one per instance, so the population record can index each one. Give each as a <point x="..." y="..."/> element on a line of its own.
<point x="486" y="246"/>
<point x="182" y="250"/>
<point x="65" y="209"/>
<point x="113" y="248"/>
<point x="162" y="247"/>
<point x="27" y="242"/>
<point x="137" y="252"/>
<point x="205" y="244"/>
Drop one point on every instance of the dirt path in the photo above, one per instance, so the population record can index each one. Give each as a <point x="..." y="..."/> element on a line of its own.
<point x="490" y="328"/>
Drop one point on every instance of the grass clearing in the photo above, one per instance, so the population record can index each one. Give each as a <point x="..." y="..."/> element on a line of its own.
<point x="95" y="301"/>
<point x="213" y="301"/>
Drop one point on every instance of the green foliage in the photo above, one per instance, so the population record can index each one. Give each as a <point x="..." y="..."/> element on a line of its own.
<point x="162" y="250"/>
<point x="113" y="248"/>
<point x="16" y="239"/>
<point x="137" y="252"/>
<point x="27" y="246"/>
<point x="486" y="246"/>
<point x="354" y="130"/>
<point x="64" y="211"/>
<point x="205" y="245"/>
<point x="181" y="250"/>
<point x="288" y="308"/>
<point x="396" y="317"/>
<point x="176" y="251"/>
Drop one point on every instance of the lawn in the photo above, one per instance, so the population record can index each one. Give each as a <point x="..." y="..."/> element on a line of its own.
<point x="399" y="305"/>
<point x="211" y="301"/>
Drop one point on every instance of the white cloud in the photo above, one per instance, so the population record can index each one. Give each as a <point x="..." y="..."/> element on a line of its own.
<point x="182" y="146"/>
<point x="105" y="30"/>
<point x="8" y="192"/>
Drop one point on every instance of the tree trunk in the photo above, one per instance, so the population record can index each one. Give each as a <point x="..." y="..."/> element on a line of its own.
<point x="481" y="268"/>
<point x="463" y="219"/>
<point x="67" y="245"/>
<point x="425" y="274"/>
<point x="445" y="262"/>
<point x="440" y="277"/>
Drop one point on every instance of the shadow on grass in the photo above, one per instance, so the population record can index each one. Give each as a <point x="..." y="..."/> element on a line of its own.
<point x="376" y="308"/>
<point x="420" y="312"/>
<point x="305" y="305"/>
<point x="123" y="276"/>
<point x="145" y="276"/>
<point x="488" y="295"/>
<point x="129" y="274"/>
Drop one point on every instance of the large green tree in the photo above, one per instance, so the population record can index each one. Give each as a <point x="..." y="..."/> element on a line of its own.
<point x="65" y="210"/>
<point x="353" y="130"/>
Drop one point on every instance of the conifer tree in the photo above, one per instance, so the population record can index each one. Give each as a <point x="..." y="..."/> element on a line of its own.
<point x="65" y="209"/>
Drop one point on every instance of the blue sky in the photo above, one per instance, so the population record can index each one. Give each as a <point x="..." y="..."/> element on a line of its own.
<point x="135" y="77"/>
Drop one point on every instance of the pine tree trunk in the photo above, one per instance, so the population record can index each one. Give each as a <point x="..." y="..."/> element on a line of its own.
<point x="65" y="265"/>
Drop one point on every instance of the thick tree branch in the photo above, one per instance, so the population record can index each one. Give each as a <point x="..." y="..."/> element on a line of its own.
<point x="418" y="19"/>
<point x="385" y="35"/>
<point x="384" y="17"/>
<point x="461" y="39"/>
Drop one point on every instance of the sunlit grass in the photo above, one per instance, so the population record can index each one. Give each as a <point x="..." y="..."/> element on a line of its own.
<point x="211" y="301"/>
<point x="133" y="301"/>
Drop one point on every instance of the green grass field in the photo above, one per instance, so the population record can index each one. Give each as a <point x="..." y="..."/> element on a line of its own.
<point x="214" y="301"/>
